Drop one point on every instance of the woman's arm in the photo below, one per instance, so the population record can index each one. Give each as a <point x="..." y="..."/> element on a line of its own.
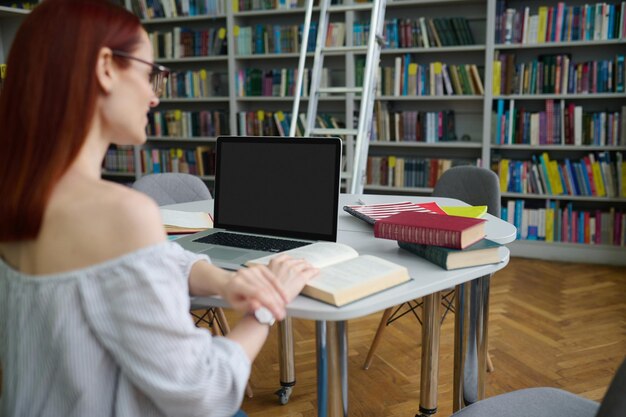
<point x="250" y="288"/>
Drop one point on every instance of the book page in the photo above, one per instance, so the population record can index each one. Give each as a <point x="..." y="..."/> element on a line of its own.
<point x="319" y="254"/>
<point x="355" y="279"/>
<point x="353" y="272"/>
<point x="186" y="219"/>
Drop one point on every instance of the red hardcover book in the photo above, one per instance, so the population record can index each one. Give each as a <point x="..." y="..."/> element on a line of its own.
<point x="427" y="229"/>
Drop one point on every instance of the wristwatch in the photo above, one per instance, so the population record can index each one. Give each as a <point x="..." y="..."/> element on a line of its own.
<point x="264" y="316"/>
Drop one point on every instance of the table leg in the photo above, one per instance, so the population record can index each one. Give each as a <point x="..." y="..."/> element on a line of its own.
<point x="286" y="360"/>
<point x="322" y="368"/>
<point x="470" y="341"/>
<point x="430" y="353"/>
<point x="332" y="368"/>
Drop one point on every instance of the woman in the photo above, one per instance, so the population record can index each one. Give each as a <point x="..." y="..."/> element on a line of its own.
<point x="94" y="302"/>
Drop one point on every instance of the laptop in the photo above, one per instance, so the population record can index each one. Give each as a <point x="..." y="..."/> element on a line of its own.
<point x="271" y="194"/>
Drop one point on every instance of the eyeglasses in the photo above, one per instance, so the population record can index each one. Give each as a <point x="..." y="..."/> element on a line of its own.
<point x="158" y="76"/>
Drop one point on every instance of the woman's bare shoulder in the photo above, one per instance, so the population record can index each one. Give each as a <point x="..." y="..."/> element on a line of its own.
<point x="110" y="219"/>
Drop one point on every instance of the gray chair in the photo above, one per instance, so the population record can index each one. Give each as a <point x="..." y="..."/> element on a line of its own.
<point x="552" y="402"/>
<point x="172" y="188"/>
<point x="473" y="185"/>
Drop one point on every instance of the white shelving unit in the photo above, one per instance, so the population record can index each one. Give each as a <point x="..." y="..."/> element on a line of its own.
<point x="473" y="112"/>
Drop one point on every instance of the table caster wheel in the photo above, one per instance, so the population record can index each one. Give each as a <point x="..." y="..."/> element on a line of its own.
<point x="283" y="395"/>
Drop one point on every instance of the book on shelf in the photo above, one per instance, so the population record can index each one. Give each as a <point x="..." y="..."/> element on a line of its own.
<point x="180" y="222"/>
<point x="429" y="229"/>
<point x="344" y="276"/>
<point x="370" y="213"/>
<point x="563" y="222"/>
<point x="482" y="252"/>
<point x="559" y="23"/>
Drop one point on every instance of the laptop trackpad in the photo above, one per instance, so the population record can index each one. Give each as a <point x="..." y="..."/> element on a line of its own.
<point x="224" y="253"/>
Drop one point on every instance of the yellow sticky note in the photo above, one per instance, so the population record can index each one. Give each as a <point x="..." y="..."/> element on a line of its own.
<point x="178" y="114"/>
<point x="467" y="211"/>
<point x="260" y="115"/>
<point x="412" y="68"/>
<point x="203" y="74"/>
<point x="221" y="33"/>
<point x="236" y="30"/>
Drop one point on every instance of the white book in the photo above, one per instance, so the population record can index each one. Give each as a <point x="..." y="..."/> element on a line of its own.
<point x="541" y="225"/>
<point x="422" y="21"/>
<point x="344" y="275"/>
<point x="592" y="230"/>
<point x="509" y="135"/>
<point x="565" y="75"/>
<point x="510" y="211"/>
<point x="578" y="125"/>
<point x="597" y="24"/>
<point x="508" y="25"/>
<point x="186" y="219"/>
<point x="526" y="23"/>
<point x="534" y="128"/>
<point x="397" y="76"/>
<point x="605" y="21"/>
<point x="524" y="227"/>
<point x="533" y="27"/>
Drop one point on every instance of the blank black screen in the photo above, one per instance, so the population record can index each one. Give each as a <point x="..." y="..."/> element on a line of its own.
<point x="279" y="186"/>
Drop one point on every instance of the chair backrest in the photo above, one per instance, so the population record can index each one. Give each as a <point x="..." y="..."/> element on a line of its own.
<point x="474" y="185"/>
<point x="172" y="188"/>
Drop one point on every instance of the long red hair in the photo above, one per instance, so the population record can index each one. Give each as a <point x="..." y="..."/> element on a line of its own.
<point x="48" y="101"/>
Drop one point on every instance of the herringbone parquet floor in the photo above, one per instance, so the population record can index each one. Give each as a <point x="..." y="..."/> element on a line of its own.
<point x="551" y="324"/>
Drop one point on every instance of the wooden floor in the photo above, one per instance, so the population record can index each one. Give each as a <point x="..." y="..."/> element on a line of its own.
<point x="551" y="324"/>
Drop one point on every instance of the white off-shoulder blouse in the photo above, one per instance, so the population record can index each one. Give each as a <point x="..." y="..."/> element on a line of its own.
<point x="114" y="339"/>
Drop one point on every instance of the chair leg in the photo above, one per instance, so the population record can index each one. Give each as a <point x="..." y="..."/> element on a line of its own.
<point x="223" y="324"/>
<point x="490" y="367"/>
<point x="379" y="332"/>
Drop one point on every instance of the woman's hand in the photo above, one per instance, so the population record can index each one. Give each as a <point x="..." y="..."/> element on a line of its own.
<point x="270" y="286"/>
<point x="253" y="287"/>
<point x="292" y="274"/>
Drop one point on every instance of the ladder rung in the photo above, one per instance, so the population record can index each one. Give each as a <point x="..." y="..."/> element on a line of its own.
<point x="343" y="49"/>
<point x="318" y="131"/>
<point x="340" y="90"/>
<point x="350" y="7"/>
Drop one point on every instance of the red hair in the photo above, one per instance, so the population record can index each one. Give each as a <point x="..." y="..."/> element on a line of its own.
<point x="48" y="101"/>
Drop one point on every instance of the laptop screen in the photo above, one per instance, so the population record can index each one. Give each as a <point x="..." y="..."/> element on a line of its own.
<point x="278" y="186"/>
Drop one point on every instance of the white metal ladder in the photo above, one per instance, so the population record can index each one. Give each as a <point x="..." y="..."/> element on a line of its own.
<point x="355" y="150"/>
<point x="375" y="41"/>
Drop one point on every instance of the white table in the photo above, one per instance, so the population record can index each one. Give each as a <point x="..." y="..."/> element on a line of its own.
<point x="428" y="280"/>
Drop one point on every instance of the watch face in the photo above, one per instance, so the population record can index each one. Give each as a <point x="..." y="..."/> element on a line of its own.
<point x="264" y="316"/>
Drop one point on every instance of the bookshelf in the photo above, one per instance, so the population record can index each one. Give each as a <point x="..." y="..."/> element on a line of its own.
<point x="595" y="214"/>
<point x="423" y="155"/>
<point x="473" y="111"/>
<point x="474" y="114"/>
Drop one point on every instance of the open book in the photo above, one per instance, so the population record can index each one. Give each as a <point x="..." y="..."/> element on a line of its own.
<point x="178" y="222"/>
<point x="344" y="275"/>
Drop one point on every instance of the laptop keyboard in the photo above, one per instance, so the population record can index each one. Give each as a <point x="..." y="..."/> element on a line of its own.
<point x="266" y="244"/>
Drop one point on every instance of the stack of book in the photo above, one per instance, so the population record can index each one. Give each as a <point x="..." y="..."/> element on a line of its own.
<point x="451" y="242"/>
<point x="426" y="230"/>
